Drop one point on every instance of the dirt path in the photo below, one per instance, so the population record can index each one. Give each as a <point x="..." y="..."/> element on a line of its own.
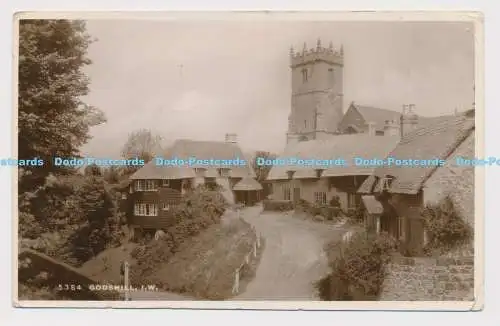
<point x="293" y="258"/>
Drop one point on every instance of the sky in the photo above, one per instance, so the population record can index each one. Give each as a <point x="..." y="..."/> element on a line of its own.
<point x="202" y="79"/>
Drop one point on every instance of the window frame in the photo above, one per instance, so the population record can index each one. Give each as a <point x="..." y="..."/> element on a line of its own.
<point x="145" y="209"/>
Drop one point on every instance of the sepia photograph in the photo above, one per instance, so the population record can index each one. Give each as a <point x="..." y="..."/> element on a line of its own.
<point x="248" y="161"/>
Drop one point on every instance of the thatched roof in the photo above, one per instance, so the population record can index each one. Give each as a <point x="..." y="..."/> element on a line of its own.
<point x="437" y="141"/>
<point x="372" y="205"/>
<point x="183" y="149"/>
<point x="346" y="147"/>
<point x="247" y="184"/>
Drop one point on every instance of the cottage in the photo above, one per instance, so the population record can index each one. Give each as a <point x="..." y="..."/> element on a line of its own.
<point x="404" y="190"/>
<point x="156" y="188"/>
<point x="320" y="184"/>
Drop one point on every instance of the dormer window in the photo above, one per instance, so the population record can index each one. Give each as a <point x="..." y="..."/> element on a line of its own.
<point x="386" y="182"/>
<point x="146" y="185"/>
<point x="290" y="174"/>
<point x="200" y="172"/>
<point x="223" y="172"/>
<point x="319" y="172"/>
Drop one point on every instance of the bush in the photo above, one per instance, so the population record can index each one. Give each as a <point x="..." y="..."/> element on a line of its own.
<point x="197" y="211"/>
<point x="445" y="227"/>
<point x="277" y="205"/>
<point x="329" y="213"/>
<point x="358" y="268"/>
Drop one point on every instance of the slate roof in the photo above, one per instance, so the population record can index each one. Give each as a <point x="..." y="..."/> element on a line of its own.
<point x="436" y="141"/>
<point x="346" y="147"/>
<point x="204" y="150"/>
<point x="247" y="184"/>
<point x="379" y="116"/>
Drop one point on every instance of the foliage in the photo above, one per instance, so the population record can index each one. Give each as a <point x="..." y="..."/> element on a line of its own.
<point x="198" y="210"/>
<point x="262" y="171"/>
<point x="142" y="144"/>
<point x="358" y="268"/>
<point x="92" y="170"/>
<point x="72" y="218"/>
<point x="53" y="120"/>
<point x="445" y="227"/>
<point x="327" y="212"/>
<point x="277" y="205"/>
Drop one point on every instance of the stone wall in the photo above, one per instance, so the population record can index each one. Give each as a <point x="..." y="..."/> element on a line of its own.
<point x="429" y="279"/>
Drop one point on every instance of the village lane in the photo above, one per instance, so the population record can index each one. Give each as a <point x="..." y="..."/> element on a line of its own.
<point x="293" y="258"/>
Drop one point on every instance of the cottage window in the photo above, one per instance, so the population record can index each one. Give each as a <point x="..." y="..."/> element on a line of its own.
<point x="146" y="185"/>
<point x="165" y="183"/>
<point x="124" y="196"/>
<point x="320" y="198"/>
<point x="379" y="133"/>
<point x="141" y="209"/>
<point x="166" y="206"/>
<point x="401" y="228"/>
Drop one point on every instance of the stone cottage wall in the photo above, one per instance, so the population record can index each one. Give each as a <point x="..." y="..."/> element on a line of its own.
<point x="429" y="279"/>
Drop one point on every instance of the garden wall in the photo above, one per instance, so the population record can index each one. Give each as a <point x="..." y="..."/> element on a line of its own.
<point x="429" y="279"/>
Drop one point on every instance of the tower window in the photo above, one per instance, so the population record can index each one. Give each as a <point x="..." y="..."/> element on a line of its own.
<point x="304" y="75"/>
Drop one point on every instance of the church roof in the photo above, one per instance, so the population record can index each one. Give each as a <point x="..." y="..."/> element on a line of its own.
<point x="203" y="150"/>
<point x="379" y="116"/>
<point x="436" y="141"/>
<point x="376" y="115"/>
<point x="345" y="147"/>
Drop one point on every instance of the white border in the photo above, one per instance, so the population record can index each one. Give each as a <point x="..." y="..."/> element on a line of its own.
<point x="473" y="17"/>
<point x="489" y="316"/>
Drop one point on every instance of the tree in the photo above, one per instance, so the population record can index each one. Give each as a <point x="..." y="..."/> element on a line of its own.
<point x="142" y="144"/>
<point x="53" y="120"/>
<point x="92" y="170"/>
<point x="262" y="170"/>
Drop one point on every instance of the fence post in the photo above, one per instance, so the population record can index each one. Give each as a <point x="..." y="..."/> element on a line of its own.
<point x="236" y="285"/>
<point x="126" y="280"/>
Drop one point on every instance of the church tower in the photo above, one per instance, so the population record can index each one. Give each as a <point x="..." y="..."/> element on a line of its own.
<point x="317" y="93"/>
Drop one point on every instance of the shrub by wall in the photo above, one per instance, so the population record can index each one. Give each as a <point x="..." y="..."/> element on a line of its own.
<point x="277" y="205"/>
<point x="445" y="228"/>
<point x="358" y="268"/>
<point x="330" y="213"/>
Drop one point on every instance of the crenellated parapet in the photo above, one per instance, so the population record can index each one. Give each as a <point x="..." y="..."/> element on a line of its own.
<point x="319" y="53"/>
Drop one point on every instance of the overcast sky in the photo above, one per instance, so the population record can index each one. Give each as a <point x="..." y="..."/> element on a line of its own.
<point x="200" y="80"/>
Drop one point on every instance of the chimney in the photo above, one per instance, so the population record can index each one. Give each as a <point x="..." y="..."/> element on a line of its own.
<point x="371" y="128"/>
<point x="409" y="120"/>
<point x="391" y="128"/>
<point x="231" y="138"/>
